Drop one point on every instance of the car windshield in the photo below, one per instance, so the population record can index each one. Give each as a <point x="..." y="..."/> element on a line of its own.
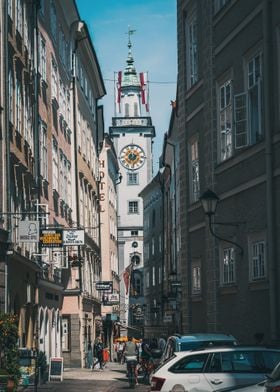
<point x="186" y="346"/>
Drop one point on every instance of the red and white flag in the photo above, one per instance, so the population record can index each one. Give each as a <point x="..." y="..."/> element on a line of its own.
<point x="127" y="277"/>
<point x="144" y="89"/>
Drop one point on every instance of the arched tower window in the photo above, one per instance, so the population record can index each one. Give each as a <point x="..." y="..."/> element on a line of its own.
<point x="126" y="110"/>
<point x="135" y="109"/>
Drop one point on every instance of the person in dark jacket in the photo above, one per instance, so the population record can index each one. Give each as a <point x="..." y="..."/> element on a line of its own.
<point x="98" y="353"/>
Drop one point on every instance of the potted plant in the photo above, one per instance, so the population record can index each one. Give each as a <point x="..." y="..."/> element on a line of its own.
<point x="9" y="354"/>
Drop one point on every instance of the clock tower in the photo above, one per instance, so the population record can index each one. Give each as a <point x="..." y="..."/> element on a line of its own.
<point x="132" y="133"/>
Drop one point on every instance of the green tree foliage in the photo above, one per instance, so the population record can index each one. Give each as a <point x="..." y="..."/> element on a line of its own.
<point x="9" y="353"/>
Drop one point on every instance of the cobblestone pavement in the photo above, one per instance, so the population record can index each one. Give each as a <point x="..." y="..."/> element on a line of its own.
<point x="111" y="379"/>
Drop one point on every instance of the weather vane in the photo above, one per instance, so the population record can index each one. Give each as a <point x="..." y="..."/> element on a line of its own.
<point x="129" y="33"/>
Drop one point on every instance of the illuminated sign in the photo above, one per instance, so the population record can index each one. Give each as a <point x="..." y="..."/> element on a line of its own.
<point x="51" y="238"/>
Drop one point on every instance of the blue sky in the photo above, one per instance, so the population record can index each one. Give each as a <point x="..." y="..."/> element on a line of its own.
<point x="154" y="48"/>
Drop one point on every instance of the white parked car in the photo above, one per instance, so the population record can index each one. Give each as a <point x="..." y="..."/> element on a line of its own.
<point x="215" y="369"/>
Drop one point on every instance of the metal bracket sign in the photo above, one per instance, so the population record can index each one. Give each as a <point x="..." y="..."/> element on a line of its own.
<point x="73" y="237"/>
<point x="51" y="238"/>
<point x="28" y="231"/>
<point x="104" y="286"/>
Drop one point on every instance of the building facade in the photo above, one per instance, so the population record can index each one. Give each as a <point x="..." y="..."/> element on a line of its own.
<point x="228" y="122"/>
<point x="51" y="126"/>
<point x="109" y="179"/>
<point x="132" y="133"/>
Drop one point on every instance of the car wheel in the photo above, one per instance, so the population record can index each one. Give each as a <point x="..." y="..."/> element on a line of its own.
<point x="178" y="388"/>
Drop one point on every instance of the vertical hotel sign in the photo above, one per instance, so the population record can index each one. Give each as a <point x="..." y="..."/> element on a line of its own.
<point x="102" y="185"/>
<point x="51" y="238"/>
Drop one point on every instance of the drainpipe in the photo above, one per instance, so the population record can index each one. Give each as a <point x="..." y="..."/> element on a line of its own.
<point x="7" y="138"/>
<point x="268" y="105"/>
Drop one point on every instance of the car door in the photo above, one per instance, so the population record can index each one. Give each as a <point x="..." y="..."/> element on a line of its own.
<point x="187" y="374"/>
<point x="233" y="369"/>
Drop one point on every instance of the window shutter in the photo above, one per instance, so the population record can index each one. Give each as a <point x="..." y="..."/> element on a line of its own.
<point x="241" y="120"/>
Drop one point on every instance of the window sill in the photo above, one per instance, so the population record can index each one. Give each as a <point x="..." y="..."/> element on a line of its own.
<point x="228" y="289"/>
<point x="261" y="284"/>
<point x="197" y="297"/>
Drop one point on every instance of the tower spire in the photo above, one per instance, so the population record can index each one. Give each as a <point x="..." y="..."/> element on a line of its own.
<point x="130" y="75"/>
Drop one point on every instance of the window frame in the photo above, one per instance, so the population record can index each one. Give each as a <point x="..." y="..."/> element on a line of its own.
<point x="129" y="177"/>
<point x="226" y="273"/>
<point x="225" y="112"/>
<point x="194" y="167"/>
<point x="191" y="47"/>
<point x="255" y="258"/>
<point x="133" y="208"/>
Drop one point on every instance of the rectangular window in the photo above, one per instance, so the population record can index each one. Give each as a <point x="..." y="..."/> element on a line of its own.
<point x="18" y="106"/>
<point x="132" y="179"/>
<point x="196" y="280"/>
<point x="153" y="246"/>
<point x="258" y="262"/>
<point x="19" y="16"/>
<point x="225" y="120"/>
<point x="11" y="97"/>
<point x="254" y="69"/>
<point x="65" y="334"/>
<point x="133" y="207"/>
<point x="194" y="171"/>
<point x="228" y="266"/>
<point x="154" y="276"/>
<point x="43" y="152"/>
<point x="241" y="120"/>
<point x="10" y="8"/>
<point x="54" y="80"/>
<point x="55" y="165"/>
<point x="147" y="279"/>
<point x="134" y="233"/>
<point x="191" y="49"/>
<point x="248" y="106"/>
<point x="42" y="58"/>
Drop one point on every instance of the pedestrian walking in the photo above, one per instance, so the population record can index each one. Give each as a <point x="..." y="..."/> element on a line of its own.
<point x="120" y="352"/>
<point x="98" y="353"/>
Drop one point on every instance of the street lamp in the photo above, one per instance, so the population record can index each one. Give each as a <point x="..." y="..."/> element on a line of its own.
<point x="209" y="201"/>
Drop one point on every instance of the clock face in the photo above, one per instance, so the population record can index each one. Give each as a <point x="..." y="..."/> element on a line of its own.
<point x="132" y="157"/>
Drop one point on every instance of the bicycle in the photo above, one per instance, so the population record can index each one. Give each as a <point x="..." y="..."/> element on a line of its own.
<point x="131" y="363"/>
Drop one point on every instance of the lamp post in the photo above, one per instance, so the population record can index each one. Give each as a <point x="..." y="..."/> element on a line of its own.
<point x="209" y="201"/>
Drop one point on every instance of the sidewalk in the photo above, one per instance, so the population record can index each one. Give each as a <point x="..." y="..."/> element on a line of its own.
<point x="81" y="374"/>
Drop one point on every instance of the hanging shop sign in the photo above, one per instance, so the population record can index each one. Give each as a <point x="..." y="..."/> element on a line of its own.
<point x="28" y="231"/>
<point x="104" y="286"/>
<point x="110" y="299"/>
<point x="51" y="238"/>
<point x="73" y="237"/>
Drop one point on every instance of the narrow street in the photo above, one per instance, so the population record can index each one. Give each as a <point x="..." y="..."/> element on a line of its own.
<point x="111" y="379"/>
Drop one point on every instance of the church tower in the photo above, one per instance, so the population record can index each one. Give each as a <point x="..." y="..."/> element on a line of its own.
<point x="132" y="133"/>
